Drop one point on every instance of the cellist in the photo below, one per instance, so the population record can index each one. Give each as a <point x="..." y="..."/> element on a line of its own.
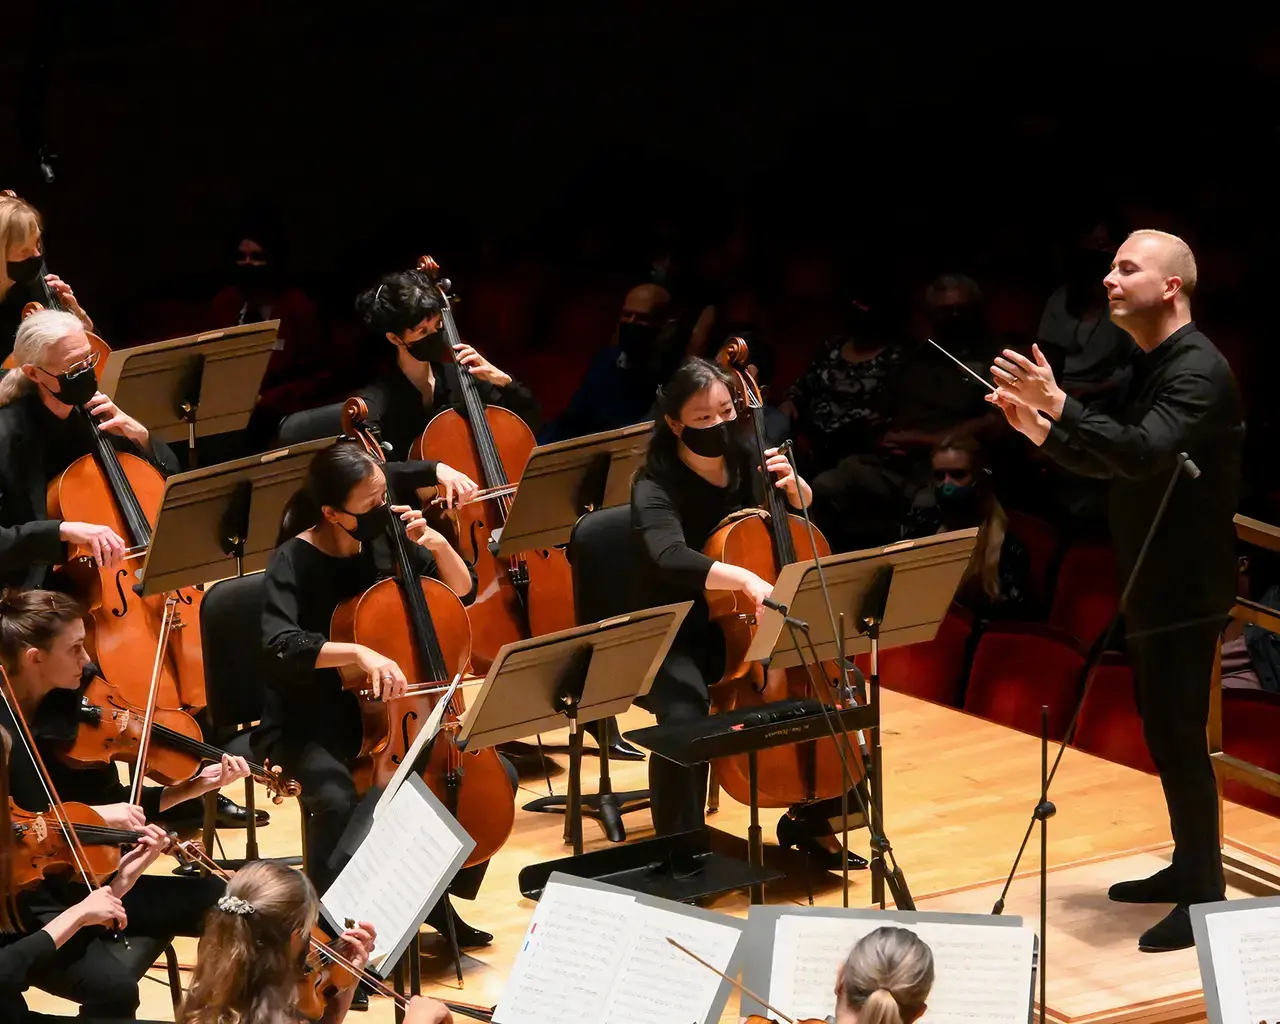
<point x="39" y="438"/>
<point x="404" y="309"/>
<point x="43" y="656"/>
<point x="334" y="546"/>
<point x="698" y="470"/>
<point x="21" y="256"/>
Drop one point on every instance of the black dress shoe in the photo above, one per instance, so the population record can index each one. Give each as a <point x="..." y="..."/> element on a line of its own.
<point x="1174" y="932"/>
<point x="233" y="815"/>
<point x="1162" y="887"/>
<point x="619" y="748"/>
<point x="468" y="937"/>
<point x="360" y="1001"/>
<point x="801" y="833"/>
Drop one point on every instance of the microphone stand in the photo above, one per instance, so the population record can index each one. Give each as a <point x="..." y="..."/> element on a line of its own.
<point x="1045" y="809"/>
<point x="870" y="803"/>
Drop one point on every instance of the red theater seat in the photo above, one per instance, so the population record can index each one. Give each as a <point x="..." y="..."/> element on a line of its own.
<point x="1016" y="669"/>
<point x="1042" y="540"/>
<point x="1109" y="723"/>
<point x="1250" y="726"/>
<point x="1085" y="596"/>
<point x="934" y="670"/>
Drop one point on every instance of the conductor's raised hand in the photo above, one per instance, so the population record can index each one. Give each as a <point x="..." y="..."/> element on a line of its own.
<point x="1021" y="417"/>
<point x="385" y="679"/>
<point x="1030" y="380"/>
<point x="456" y="488"/>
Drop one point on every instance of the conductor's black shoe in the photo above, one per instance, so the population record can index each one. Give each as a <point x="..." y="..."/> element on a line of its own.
<point x="1162" y="887"/>
<point x="619" y="748"/>
<point x="1174" y="932"/>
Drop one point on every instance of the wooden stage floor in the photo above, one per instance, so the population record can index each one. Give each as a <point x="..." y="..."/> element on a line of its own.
<point x="958" y="794"/>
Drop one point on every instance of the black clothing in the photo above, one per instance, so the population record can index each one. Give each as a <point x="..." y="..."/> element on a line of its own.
<point x="1183" y="398"/>
<point x="310" y="724"/>
<point x="35" y="446"/>
<point x="19" y="956"/>
<point x="398" y="409"/>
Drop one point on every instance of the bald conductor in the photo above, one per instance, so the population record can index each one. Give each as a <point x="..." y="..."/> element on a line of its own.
<point x="1182" y="398"/>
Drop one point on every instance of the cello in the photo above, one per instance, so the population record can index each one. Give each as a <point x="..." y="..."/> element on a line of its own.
<point x="423" y="627"/>
<point x="528" y="594"/>
<point x="764" y="540"/>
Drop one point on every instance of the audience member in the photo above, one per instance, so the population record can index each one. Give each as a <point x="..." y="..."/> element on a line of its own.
<point x="997" y="580"/>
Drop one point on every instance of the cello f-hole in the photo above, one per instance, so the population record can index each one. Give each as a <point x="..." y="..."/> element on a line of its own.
<point x="123" y="610"/>
<point x="411" y="716"/>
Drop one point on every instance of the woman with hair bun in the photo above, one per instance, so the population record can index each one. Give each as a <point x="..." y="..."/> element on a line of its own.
<point x="886" y="979"/>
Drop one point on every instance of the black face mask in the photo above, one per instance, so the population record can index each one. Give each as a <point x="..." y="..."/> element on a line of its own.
<point x="76" y="388"/>
<point x="709" y="442"/>
<point x="960" y="325"/>
<point x="24" y="271"/>
<point x="433" y="347"/>
<point x="370" y="525"/>
<point x="957" y="504"/>
<point x="636" y="340"/>
<point x="254" y="277"/>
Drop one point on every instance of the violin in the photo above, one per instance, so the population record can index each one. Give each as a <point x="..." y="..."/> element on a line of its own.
<point x="110" y="730"/>
<point x="42" y="847"/>
<point x="764" y="540"/>
<point x="528" y="594"/>
<point x="422" y="626"/>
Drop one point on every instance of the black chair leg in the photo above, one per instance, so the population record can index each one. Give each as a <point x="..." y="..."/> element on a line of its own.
<point x="175" y="978"/>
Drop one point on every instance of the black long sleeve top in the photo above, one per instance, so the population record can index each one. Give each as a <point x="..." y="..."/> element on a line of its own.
<point x="399" y="411"/>
<point x="19" y="954"/>
<point x="1183" y="398"/>
<point x="304" y="586"/>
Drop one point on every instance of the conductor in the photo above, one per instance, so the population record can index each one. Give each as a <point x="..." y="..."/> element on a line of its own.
<point x="1182" y="399"/>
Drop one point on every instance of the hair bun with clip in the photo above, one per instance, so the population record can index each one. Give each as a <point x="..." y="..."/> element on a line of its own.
<point x="235" y="905"/>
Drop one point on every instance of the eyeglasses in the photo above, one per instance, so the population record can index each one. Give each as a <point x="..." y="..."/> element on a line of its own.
<point x="89" y="362"/>
<point x="954" y="475"/>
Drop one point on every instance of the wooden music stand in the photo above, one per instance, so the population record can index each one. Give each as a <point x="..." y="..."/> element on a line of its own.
<point x="195" y="386"/>
<point x="577" y="675"/>
<point x="562" y="482"/>
<point x="223" y="520"/>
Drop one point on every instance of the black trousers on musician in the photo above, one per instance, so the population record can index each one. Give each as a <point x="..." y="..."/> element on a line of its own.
<point x="1172" y="672"/>
<point x="89" y="970"/>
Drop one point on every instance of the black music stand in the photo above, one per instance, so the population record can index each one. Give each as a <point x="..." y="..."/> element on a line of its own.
<point x="195" y="386"/>
<point x="881" y="597"/>
<point x="563" y="481"/>
<point x="577" y="675"/>
<point x="223" y="520"/>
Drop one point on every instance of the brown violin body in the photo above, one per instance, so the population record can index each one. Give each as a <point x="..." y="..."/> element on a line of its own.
<point x="110" y="730"/>
<point x="529" y="595"/>
<point x="125" y="628"/>
<point x="323" y="979"/>
<point x="41" y="848"/>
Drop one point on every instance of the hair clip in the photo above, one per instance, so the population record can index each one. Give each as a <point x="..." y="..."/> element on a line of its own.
<point x="235" y="905"/>
<point x="378" y="292"/>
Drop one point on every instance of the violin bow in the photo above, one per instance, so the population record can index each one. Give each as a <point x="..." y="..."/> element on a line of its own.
<point x="732" y="981"/>
<point x="153" y="696"/>
<point x="380" y="987"/>
<point x="91" y="880"/>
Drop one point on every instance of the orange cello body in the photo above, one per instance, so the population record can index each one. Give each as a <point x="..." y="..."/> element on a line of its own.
<point x="526" y="595"/>
<point x="125" y="628"/>
<point x="534" y="590"/>
<point x="763" y="540"/>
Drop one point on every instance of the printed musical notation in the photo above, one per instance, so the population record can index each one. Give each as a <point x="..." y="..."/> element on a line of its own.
<point x="982" y="972"/>
<point x="1245" y="947"/>
<point x="595" y="956"/>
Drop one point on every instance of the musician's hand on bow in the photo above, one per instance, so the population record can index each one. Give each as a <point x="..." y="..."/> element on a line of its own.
<point x="62" y="291"/>
<point x="478" y="366"/>
<point x="455" y="487"/>
<point x="425" y="1010"/>
<point x="1030" y="380"/>
<point x="384" y="676"/>
<point x="122" y="815"/>
<point x="358" y="942"/>
<point x="151" y="844"/>
<point x="108" y="547"/>
<point x="113" y="421"/>
<point x="102" y="907"/>
<point x="1021" y="416"/>
<point x="797" y="491"/>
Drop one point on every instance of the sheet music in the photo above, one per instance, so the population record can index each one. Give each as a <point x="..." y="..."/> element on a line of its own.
<point x="1245" y="946"/>
<point x="659" y="983"/>
<point x="571" y="952"/>
<point x="429" y="728"/>
<point x="981" y="973"/>
<point x="409" y="852"/>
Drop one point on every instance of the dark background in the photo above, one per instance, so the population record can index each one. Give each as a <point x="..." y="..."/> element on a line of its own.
<point x="581" y="135"/>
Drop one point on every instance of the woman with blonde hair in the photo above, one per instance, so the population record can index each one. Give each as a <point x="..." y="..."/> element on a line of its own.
<point x="21" y="247"/>
<point x="253" y="953"/>
<point x="885" y="980"/>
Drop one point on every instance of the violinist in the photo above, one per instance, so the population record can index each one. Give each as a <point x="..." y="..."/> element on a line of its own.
<point x="334" y="546"/>
<point x="886" y="979"/>
<point x="43" y="656"/>
<point x="404" y="308"/>
<point x="698" y="470"/>
<point x="22" y="251"/>
<point x="40" y="437"/>
<point x="252" y="954"/>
